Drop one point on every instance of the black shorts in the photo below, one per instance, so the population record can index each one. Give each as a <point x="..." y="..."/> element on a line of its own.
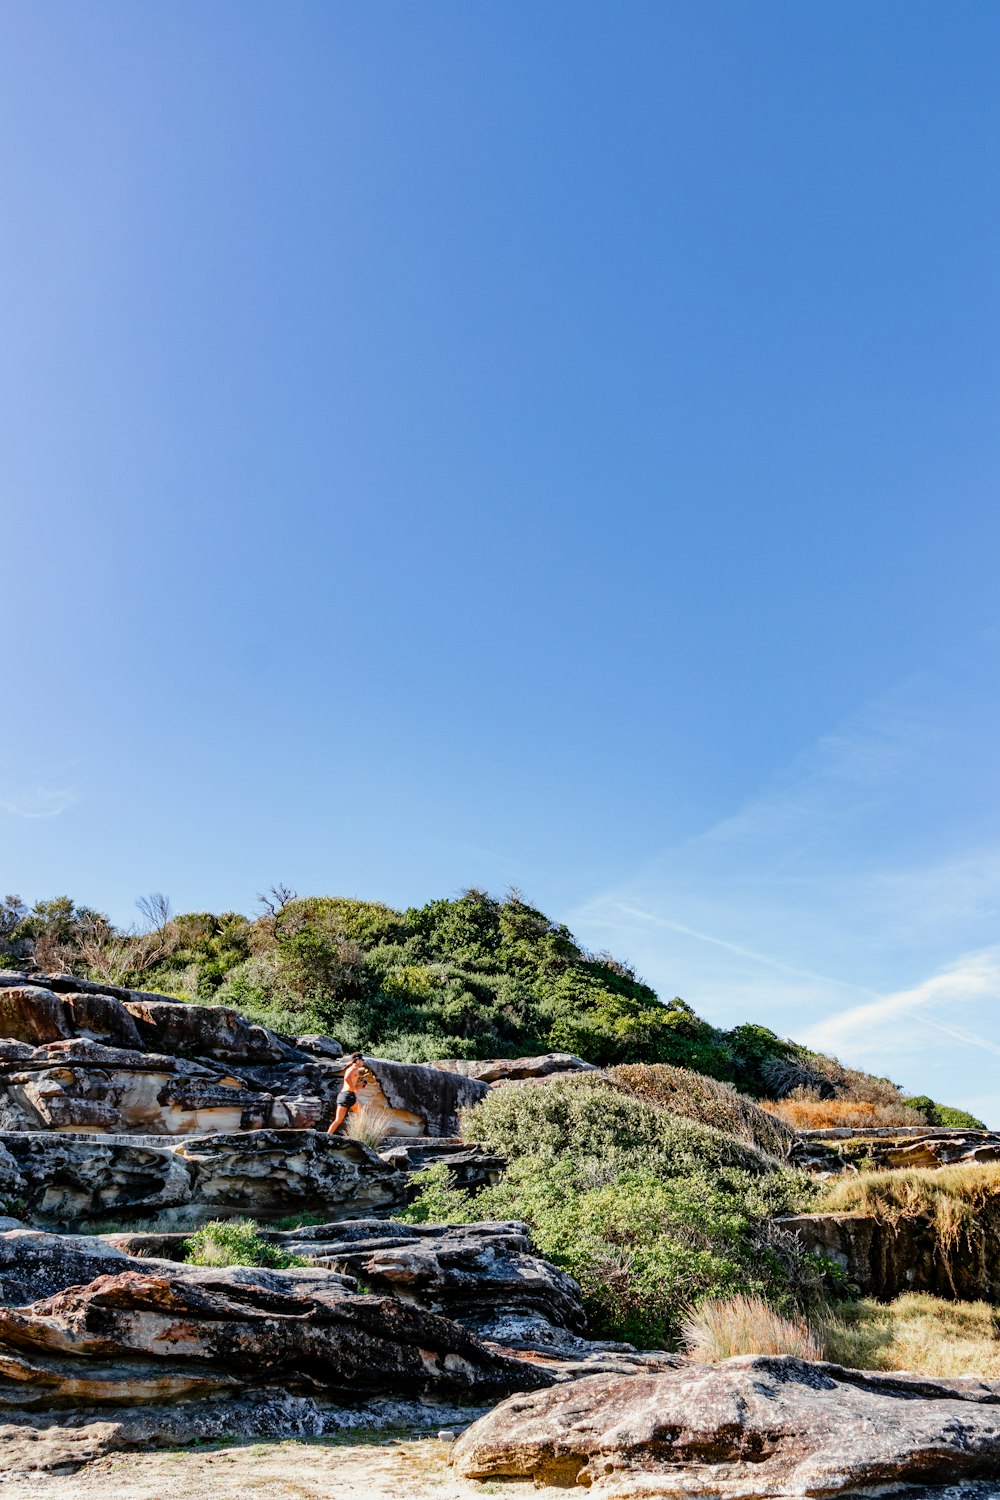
<point x="345" y="1099"/>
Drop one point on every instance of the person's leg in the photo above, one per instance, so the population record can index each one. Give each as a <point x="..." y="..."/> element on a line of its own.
<point x="338" y="1119"/>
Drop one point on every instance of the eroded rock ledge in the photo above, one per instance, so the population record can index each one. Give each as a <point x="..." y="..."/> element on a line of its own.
<point x="66" y="1179"/>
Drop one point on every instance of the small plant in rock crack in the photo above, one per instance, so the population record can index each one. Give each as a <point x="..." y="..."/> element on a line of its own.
<point x="236" y="1242"/>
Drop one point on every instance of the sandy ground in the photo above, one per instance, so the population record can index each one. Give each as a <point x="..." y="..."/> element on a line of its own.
<point x="363" y="1467"/>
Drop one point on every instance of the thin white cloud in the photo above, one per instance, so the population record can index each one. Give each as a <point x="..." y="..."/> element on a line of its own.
<point x="976" y="977"/>
<point x="39" y="802"/>
<point x="822" y="904"/>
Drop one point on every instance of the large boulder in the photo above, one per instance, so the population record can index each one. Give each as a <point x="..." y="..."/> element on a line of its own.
<point x="748" y="1428"/>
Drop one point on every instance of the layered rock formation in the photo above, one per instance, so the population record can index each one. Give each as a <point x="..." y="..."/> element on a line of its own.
<point x="157" y="1334"/>
<point x="516" y="1069"/>
<point x="64" y="1180"/>
<point x="748" y="1428"/>
<point x="827" y="1152"/>
<point x="78" y="1056"/>
<point x="475" y="1273"/>
<point x="884" y="1259"/>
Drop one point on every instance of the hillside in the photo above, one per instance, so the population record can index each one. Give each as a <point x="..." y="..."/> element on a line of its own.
<point x="473" y="977"/>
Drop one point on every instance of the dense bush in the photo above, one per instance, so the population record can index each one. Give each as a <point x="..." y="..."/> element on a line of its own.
<point x="943" y="1114"/>
<point x="648" y="1212"/>
<point x="694" y="1096"/>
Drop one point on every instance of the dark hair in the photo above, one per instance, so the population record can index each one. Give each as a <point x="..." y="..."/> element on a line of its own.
<point x="357" y="1057"/>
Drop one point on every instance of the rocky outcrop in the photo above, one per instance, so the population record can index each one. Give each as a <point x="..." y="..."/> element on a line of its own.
<point x="33" y="1441"/>
<point x="748" y="1428"/>
<point x="884" y="1259"/>
<point x="829" y="1152"/>
<point x="470" y="1166"/>
<point x="476" y="1273"/>
<point x="63" y="1180"/>
<point x="515" y="1069"/>
<point x="155" y="1335"/>
<point x="78" y="1056"/>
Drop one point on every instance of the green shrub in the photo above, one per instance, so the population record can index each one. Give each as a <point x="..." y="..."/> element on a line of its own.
<point x="590" y="1119"/>
<point x="236" y="1242"/>
<point x="694" y="1096"/>
<point x="649" y="1213"/>
<point x="943" y="1114"/>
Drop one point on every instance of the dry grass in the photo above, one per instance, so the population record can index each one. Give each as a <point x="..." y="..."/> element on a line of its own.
<point x="951" y="1197"/>
<point x="829" y="1114"/>
<point x="917" y="1332"/>
<point x="723" y="1326"/>
<point x="693" y="1096"/>
<point x="369" y="1125"/>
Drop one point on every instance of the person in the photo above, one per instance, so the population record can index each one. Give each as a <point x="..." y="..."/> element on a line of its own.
<point x="347" y="1098"/>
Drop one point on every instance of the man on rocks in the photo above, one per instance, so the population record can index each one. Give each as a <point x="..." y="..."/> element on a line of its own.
<point x="347" y="1098"/>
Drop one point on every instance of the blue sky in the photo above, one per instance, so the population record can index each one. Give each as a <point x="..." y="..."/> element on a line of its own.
<point x="548" y="444"/>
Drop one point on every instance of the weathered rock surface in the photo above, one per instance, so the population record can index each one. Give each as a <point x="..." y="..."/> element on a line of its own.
<point x="61" y="1180"/>
<point x="884" y="1259"/>
<point x="479" y="1274"/>
<point x="160" y="1335"/>
<point x="469" y="1165"/>
<point x="78" y="1056"/>
<point x="515" y="1069"/>
<point x="833" y="1151"/>
<point x="745" y="1429"/>
<point x="32" y="1441"/>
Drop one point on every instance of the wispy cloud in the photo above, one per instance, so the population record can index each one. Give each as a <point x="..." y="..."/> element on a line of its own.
<point x="853" y="901"/>
<point x="973" y="978"/>
<point x="39" y="802"/>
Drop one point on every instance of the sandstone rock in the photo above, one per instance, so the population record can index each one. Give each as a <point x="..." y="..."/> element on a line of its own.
<point x="515" y="1069"/>
<point x="63" y="1178"/>
<point x="269" y="1173"/>
<point x="829" y="1152"/>
<point x="157" y="1335"/>
<point x="37" y="1441"/>
<point x="425" y="1099"/>
<point x="469" y="1166"/>
<point x="67" y="1179"/>
<point x="885" y="1259"/>
<point x="479" y="1274"/>
<point x="748" y="1428"/>
<point x="79" y="1056"/>
<point x="204" y="1031"/>
<point x="31" y="1013"/>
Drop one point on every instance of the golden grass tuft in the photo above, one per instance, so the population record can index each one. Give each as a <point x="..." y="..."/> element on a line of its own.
<point x="720" y="1327"/>
<point x="951" y="1197"/>
<point x="831" y="1114"/>
<point x="916" y="1332"/>
<point x="368" y="1124"/>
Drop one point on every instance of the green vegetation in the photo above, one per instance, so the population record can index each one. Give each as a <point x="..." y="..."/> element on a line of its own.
<point x="649" y="1212"/>
<point x="694" y="1096"/>
<point x="472" y="977"/>
<point x="236" y="1242"/>
<point x="943" y="1114"/>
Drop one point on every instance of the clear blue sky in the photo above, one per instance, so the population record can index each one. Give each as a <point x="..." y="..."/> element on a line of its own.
<point x="546" y="443"/>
